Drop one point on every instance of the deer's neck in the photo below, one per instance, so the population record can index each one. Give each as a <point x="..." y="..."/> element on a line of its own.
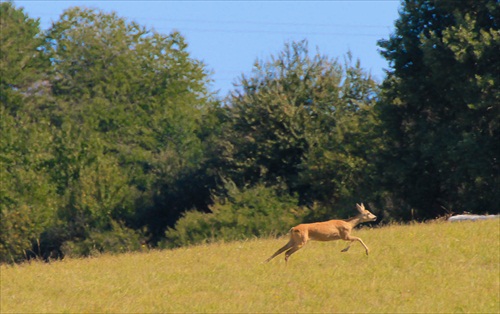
<point x="354" y="221"/>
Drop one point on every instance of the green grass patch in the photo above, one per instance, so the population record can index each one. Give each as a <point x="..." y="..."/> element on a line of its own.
<point x="439" y="267"/>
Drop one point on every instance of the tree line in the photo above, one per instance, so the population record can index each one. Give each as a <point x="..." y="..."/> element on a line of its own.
<point x="112" y="141"/>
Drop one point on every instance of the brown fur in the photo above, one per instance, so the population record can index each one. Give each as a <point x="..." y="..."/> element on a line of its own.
<point x="325" y="231"/>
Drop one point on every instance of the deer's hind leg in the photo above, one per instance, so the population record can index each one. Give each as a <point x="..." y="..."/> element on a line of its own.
<point x="299" y="239"/>
<point x="281" y="250"/>
<point x="291" y="251"/>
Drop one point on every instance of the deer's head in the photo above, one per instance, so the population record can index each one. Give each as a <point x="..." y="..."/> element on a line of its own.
<point x="365" y="214"/>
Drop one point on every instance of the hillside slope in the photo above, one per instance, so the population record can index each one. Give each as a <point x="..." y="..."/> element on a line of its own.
<point x="441" y="267"/>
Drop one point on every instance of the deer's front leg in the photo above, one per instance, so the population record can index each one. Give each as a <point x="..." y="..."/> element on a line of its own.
<point x="352" y="239"/>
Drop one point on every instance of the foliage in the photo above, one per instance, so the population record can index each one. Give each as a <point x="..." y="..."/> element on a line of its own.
<point x="106" y="131"/>
<point x="21" y="63"/>
<point x="439" y="107"/>
<point x="118" y="239"/>
<point x="295" y="121"/>
<point x="252" y="212"/>
<point x="27" y="200"/>
<point x="144" y="96"/>
<point x="338" y="168"/>
<point x="109" y="137"/>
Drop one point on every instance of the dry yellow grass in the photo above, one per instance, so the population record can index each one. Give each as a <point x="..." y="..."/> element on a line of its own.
<point x="417" y="268"/>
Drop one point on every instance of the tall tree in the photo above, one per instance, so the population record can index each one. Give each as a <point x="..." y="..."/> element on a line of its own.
<point x="440" y="107"/>
<point x="28" y="199"/>
<point x="21" y="62"/>
<point x="293" y="122"/>
<point x="144" y="97"/>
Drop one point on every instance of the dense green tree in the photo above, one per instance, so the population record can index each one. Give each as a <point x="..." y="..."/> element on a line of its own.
<point x="339" y="166"/>
<point x="21" y="62"/>
<point x="144" y="97"/>
<point x="28" y="199"/>
<point x="296" y="120"/>
<point x="125" y="81"/>
<point x="101" y="132"/>
<point x="440" y="108"/>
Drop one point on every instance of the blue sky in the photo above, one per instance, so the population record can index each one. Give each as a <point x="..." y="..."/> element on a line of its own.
<point x="228" y="36"/>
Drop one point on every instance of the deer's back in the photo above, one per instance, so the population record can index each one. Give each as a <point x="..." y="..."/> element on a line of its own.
<point x="322" y="231"/>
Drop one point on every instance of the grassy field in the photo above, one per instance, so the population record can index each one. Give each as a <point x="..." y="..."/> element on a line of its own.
<point x="439" y="267"/>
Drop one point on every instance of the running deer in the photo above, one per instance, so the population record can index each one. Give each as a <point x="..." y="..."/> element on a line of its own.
<point x="325" y="231"/>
